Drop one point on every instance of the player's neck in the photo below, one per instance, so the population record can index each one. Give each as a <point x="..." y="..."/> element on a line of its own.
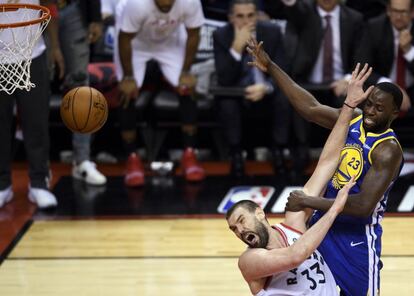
<point x="275" y="240"/>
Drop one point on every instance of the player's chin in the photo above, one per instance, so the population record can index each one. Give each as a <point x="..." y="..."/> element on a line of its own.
<point x="252" y="245"/>
<point x="369" y="125"/>
<point x="253" y="241"/>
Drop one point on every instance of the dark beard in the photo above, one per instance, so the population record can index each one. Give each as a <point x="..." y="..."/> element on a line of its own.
<point x="263" y="235"/>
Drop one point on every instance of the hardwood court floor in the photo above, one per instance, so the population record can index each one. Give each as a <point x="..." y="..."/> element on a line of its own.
<point x="158" y="257"/>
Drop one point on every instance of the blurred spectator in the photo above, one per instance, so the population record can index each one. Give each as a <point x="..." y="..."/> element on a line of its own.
<point x="33" y="111"/>
<point x="387" y="46"/>
<point x="321" y="40"/>
<point x="369" y="8"/>
<point x="103" y="48"/>
<point x="167" y="32"/>
<point x="218" y="9"/>
<point x="108" y="10"/>
<point x="79" y="26"/>
<point x="253" y="92"/>
<point x="275" y="9"/>
<point x="328" y="34"/>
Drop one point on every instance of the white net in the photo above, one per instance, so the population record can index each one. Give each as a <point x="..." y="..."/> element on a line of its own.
<point x="16" y="45"/>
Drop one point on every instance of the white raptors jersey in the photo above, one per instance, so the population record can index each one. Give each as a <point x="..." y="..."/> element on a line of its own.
<point x="312" y="277"/>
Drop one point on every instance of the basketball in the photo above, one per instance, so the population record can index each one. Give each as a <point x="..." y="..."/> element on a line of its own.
<point x="84" y="110"/>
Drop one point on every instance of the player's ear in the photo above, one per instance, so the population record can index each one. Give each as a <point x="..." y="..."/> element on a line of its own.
<point x="395" y="114"/>
<point x="260" y="215"/>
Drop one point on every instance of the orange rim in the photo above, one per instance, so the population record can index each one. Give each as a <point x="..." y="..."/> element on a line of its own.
<point x="12" y="7"/>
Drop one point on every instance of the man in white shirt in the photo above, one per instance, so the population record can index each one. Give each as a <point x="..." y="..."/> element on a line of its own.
<point x="166" y="31"/>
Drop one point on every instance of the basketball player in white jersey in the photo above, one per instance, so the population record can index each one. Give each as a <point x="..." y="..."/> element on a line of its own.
<point x="283" y="260"/>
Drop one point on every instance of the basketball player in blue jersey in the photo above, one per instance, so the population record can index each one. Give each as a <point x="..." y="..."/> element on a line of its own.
<point x="282" y="260"/>
<point x="372" y="154"/>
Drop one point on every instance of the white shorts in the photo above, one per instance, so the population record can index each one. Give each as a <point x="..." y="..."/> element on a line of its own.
<point x="169" y="58"/>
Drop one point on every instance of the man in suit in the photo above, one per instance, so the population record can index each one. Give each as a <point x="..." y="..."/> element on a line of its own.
<point x="387" y="45"/>
<point x="327" y="34"/>
<point x="256" y="92"/>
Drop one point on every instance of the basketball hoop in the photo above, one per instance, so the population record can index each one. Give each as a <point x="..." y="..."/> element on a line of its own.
<point x="21" y="25"/>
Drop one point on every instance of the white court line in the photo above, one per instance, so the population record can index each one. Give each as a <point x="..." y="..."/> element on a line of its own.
<point x="407" y="203"/>
<point x="279" y="206"/>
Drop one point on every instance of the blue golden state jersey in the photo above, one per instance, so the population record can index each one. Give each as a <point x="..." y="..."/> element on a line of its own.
<point x="355" y="161"/>
<point x="352" y="246"/>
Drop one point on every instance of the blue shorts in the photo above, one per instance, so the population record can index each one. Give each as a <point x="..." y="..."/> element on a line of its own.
<point x="352" y="252"/>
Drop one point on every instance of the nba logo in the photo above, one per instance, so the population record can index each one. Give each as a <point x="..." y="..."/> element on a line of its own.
<point x="258" y="194"/>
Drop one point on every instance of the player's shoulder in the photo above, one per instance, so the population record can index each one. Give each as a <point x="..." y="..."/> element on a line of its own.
<point x="387" y="151"/>
<point x="250" y="253"/>
<point x="249" y="256"/>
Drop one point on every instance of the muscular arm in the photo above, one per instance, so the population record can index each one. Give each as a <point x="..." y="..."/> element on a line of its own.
<point x="193" y="38"/>
<point x="328" y="162"/>
<point x="386" y="161"/>
<point x="125" y="52"/>
<point x="303" y="101"/>
<point x="329" y="158"/>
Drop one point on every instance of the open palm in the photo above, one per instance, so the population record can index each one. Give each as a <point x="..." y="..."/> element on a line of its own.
<point x="261" y="59"/>
<point x="356" y="93"/>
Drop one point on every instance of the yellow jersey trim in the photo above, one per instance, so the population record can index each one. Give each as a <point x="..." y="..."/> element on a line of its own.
<point x="379" y="142"/>
<point x="355" y="119"/>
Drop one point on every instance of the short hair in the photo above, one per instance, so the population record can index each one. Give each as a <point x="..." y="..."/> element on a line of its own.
<point x="393" y="90"/>
<point x="235" y="2"/>
<point x="249" y="205"/>
<point x="411" y="3"/>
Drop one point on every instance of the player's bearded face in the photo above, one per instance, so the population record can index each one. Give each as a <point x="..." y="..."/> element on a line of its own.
<point x="378" y="111"/>
<point x="258" y="237"/>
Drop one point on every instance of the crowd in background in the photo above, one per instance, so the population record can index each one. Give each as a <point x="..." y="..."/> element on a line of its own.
<point x="183" y="53"/>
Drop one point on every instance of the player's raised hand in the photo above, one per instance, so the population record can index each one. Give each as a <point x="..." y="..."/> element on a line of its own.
<point x="261" y="59"/>
<point x="356" y="93"/>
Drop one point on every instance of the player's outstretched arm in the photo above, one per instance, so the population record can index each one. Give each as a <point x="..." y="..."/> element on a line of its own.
<point x="329" y="158"/>
<point x="259" y="263"/>
<point x="303" y="102"/>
